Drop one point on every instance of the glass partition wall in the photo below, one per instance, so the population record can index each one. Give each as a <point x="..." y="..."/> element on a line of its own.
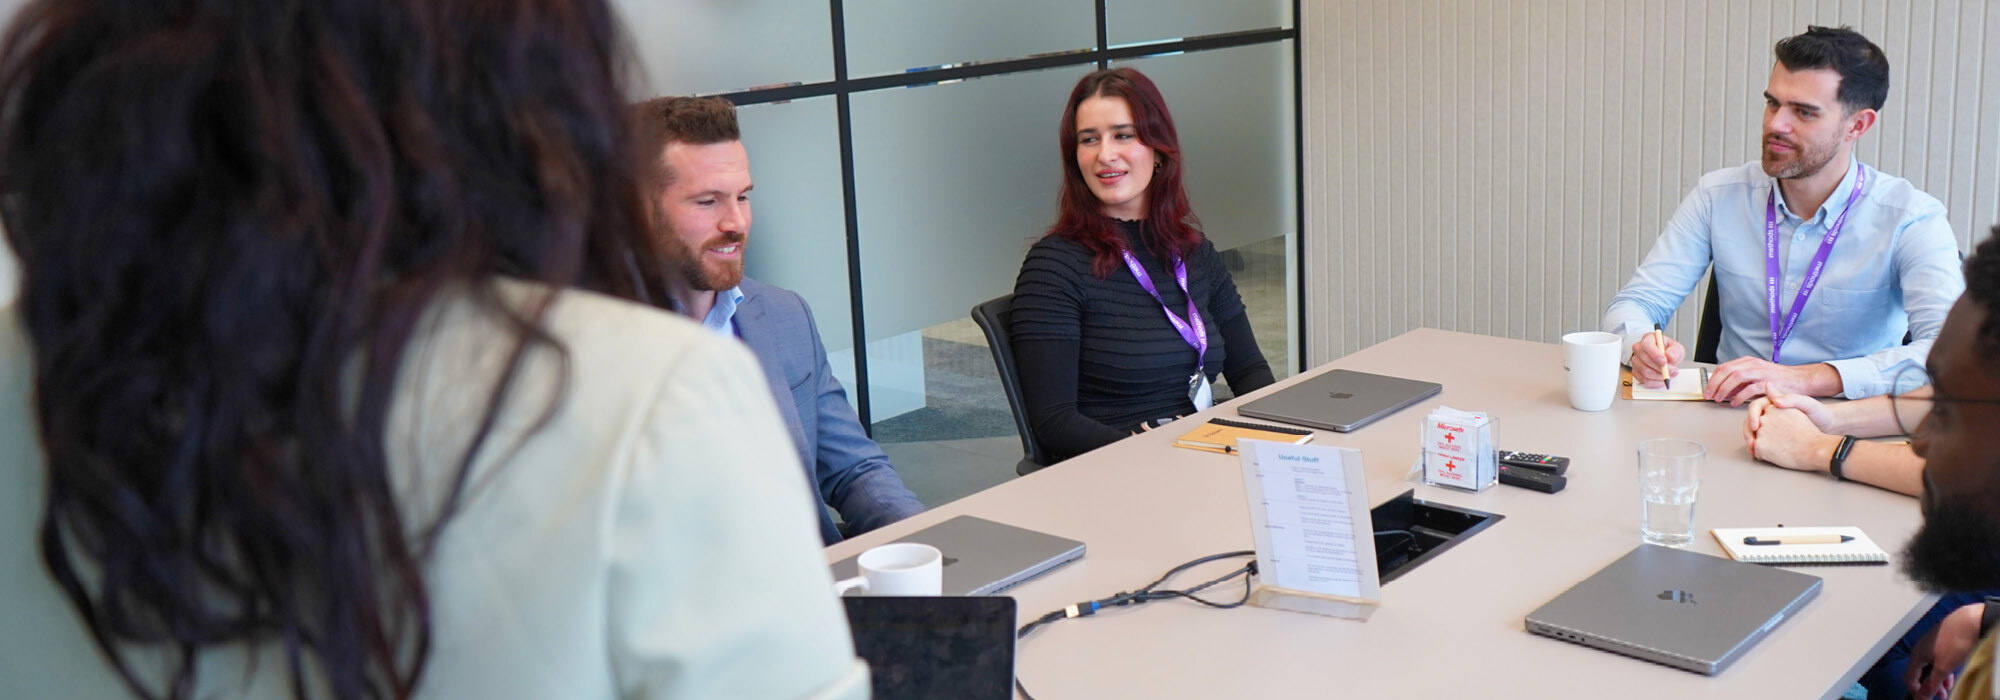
<point x="905" y="155"/>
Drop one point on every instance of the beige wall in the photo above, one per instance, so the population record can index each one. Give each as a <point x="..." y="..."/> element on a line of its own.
<point x="1500" y="167"/>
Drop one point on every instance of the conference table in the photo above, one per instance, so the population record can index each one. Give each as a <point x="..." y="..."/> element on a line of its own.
<point x="1452" y="627"/>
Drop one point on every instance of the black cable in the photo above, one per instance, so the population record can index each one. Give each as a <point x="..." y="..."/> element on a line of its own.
<point x="1148" y="593"/>
<point x="1405" y="533"/>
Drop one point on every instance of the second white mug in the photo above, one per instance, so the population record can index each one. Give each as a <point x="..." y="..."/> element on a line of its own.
<point x="900" y="568"/>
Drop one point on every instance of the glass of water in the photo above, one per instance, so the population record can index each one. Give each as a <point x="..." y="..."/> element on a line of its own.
<point x="1669" y="477"/>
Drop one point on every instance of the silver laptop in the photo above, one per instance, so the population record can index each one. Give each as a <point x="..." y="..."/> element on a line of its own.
<point x="982" y="557"/>
<point x="1341" y="400"/>
<point x="1690" y="611"/>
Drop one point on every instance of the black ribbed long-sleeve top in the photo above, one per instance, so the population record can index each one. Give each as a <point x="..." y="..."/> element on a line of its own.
<point x="1098" y="356"/>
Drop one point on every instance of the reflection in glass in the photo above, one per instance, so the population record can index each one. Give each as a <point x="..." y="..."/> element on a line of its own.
<point x="798" y="231"/>
<point x="1149" y="21"/>
<point x="715" y="46"/>
<point x="893" y="36"/>
<point x="952" y="184"/>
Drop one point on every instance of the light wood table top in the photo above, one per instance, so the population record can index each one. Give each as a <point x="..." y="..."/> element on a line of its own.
<point x="1451" y="628"/>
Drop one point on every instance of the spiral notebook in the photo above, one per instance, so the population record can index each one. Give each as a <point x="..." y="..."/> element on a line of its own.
<point x="1220" y="435"/>
<point x="1859" y="550"/>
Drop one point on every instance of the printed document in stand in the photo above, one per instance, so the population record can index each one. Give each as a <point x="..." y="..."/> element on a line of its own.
<point x="1315" y="538"/>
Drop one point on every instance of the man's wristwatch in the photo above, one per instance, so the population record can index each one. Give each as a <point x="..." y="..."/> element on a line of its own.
<point x="1840" y="457"/>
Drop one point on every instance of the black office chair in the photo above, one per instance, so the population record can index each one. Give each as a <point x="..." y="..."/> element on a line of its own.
<point x="1708" y="332"/>
<point x="993" y="318"/>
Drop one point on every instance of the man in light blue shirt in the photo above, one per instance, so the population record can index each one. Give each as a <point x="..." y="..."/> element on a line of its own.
<point x="700" y="194"/>
<point x="1895" y="268"/>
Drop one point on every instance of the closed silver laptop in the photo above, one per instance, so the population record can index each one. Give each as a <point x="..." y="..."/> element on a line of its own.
<point x="1341" y="400"/>
<point x="1690" y="611"/>
<point x="982" y="557"/>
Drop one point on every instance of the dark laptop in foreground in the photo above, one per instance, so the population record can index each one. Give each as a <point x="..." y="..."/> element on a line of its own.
<point x="1690" y="611"/>
<point x="1341" y="400"/>
<point x="924" y="647"/>
<point x="982" y="557"/>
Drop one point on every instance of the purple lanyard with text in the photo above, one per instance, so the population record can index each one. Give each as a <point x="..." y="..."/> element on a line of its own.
<point x="1772" y="275"/>
<point x="1197" y="335"/>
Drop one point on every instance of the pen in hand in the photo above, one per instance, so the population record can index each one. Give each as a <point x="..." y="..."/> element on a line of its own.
<point x="1660" y="341"/>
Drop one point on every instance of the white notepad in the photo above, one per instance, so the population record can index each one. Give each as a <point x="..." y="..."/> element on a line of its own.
<point x="1687" y="384"/>
<point x="1860" y="550"/>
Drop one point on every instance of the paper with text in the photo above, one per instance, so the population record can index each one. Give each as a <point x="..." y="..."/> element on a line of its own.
<point x="1309" y="516"/>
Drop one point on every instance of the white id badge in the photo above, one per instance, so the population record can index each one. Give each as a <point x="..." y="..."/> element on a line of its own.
<point x="1199" y="391"/>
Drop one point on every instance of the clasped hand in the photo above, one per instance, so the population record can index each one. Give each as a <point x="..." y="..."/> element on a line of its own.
<point x="1789" y="430"/>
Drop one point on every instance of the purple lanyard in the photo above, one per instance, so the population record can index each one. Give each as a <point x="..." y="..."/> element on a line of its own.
<point x="1196" y="336"/>
<point x="1772" y="275"/>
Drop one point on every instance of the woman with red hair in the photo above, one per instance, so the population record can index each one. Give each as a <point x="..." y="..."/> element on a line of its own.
<point x="1124" y="313"/>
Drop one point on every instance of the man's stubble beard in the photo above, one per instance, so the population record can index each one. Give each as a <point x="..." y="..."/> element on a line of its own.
<point x="1807" y="160"/>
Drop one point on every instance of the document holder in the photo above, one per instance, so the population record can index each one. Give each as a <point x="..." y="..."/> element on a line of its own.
<point x="1348" y="607"/>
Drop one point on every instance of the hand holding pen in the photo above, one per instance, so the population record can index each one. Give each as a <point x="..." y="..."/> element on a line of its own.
<point x="1654" y="358"/>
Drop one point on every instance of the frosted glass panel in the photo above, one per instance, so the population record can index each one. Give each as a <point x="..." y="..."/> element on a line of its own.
<point x="1233" y="108"/>
<point x="1147" y="21"/>
<point x="953" y="183"/>
<point x="702" y="47"/>
<point x="798" y="231"/>
<point x="892" y="36"/>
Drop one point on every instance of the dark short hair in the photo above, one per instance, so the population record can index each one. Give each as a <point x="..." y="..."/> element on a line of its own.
<point x="1864" y="71"/>
<point x="696" y="121"/>
<point x="1982" y="286"/>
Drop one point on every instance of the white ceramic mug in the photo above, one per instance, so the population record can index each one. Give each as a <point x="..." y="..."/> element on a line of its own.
<point x="901" y="568"/>
<point x="1591" y="358"/>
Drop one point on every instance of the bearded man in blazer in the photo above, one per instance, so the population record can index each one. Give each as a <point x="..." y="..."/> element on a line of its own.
<point x="700" y="195"/>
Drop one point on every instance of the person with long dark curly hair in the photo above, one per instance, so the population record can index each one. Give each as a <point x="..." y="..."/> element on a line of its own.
<point x="1124" y="312"/>
<point x="340" y="369"/>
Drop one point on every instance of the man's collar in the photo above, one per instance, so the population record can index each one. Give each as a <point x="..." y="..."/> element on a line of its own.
<point x="1828" y="208"/>
<point x="721" y="316"/>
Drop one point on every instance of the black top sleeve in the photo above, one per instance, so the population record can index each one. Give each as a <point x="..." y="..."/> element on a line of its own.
<point x="1050" y="392"/>
<point x="1244" y="365"/>
<point x="1246" y="368"/>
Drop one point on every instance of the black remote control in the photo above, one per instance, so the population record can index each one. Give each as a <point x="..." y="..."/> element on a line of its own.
<point x="1532" y="479"/>
<point x="1550" y="464"/>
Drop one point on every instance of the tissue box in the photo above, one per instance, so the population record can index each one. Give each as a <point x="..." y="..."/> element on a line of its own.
<point x="1459" y="450"/>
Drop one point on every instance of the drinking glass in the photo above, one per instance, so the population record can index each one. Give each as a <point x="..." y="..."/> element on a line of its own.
<point x="1669" y="480"/>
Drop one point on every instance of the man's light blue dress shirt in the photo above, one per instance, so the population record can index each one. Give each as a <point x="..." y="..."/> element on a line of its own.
<point x="1895" y="268"/>
<point x="721" y="318"/>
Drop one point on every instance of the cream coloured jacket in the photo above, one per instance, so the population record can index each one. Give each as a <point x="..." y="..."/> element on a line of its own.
<point x="650" y="539"/>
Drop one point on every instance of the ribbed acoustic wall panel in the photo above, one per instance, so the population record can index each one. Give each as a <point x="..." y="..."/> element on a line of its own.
<point x="1501" y="167"/>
